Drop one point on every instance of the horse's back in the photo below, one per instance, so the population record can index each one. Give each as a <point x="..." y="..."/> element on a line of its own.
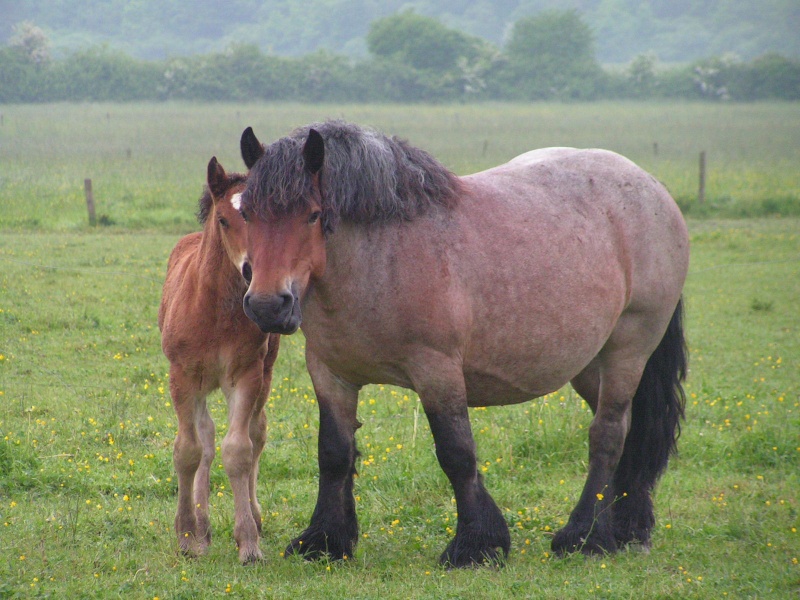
<point x="574" y="239"/>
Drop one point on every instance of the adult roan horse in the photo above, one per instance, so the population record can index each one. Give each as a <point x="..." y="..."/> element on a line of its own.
<point x="211" y="344"/>
<point x="562" y="265"/>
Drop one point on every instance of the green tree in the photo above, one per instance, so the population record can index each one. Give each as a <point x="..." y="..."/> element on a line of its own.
<point x="551" y="55"/>
<point x="420" y="42"/>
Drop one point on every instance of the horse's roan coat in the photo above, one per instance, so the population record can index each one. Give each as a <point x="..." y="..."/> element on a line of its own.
<point x="211" y="344"/>
<point x="559" y="266"/>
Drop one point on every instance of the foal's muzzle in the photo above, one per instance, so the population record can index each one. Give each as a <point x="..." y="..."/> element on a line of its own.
<point x="278" y="313"/>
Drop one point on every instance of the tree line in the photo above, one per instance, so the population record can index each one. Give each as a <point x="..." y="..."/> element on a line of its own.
<point x="412" y="58"/>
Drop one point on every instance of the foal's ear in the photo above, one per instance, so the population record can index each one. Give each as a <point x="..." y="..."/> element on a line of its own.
<point x="314" y="151"/>
<point x="217" y="178"/>
<point x="251" y="148"/>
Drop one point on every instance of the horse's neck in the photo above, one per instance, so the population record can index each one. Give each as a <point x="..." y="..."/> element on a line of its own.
<point x="347" y="249"/>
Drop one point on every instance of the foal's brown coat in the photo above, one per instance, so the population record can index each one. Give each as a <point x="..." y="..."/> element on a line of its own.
<point x="211" y="344"/>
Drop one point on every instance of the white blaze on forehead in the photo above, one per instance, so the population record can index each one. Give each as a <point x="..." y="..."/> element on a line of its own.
<point x="236" y="201"/>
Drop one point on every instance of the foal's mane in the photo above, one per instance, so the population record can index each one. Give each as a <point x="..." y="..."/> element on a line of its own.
<point x="206" y="202"/>
<point x="367" y="177"/>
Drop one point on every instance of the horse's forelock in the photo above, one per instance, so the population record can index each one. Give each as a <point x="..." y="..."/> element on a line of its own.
<point x="278" y="183"/>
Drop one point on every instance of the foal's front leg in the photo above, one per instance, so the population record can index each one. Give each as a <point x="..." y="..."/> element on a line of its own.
<point x="187" y="455"/>
<point x="258" y="424"/>
<point x="333" y="530"/>
<point x="238" y="458"/>
<point x="482" y="532"/>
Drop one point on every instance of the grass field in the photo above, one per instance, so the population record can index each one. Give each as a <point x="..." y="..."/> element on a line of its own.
<point x="87" y="492"/>
<point x="146" y="162"/>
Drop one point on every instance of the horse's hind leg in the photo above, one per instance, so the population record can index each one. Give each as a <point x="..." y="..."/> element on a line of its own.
<point x="187" y="454"/>
<point x="635" y="383"/>
<point x="655" y="424"/>
<point x="590" y="526"/>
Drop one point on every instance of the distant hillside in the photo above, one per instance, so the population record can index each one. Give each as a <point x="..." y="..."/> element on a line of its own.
<point x="672" y="30"/>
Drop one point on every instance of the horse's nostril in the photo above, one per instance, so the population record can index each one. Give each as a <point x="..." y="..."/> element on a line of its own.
<point x="247" y="272"/>
<point x="287" y="300"/>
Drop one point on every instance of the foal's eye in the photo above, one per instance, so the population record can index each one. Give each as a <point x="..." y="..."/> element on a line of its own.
<point x="314" y="217"/>
<point x="224" y="222"/>
<point x="244" y="214"/>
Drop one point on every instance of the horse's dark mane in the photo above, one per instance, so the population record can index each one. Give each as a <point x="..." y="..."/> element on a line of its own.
<point x="206" y="202"/>
<point x="367" y="177"/>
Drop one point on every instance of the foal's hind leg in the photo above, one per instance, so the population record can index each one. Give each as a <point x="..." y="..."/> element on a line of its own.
<point x="590" y="526"/>
<point x="187" y="454"/>
<point x="202" y="479"/>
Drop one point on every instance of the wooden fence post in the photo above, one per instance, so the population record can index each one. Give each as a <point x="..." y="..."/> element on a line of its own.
<point x="87" y="188"/>
<point x="701" y="191"/>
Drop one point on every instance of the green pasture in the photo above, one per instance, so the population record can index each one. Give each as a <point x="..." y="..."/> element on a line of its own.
<point x="87" y="491"/>
<point x="147" y="161"/>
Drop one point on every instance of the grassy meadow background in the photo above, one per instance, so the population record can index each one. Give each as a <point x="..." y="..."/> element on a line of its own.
<point x="87" y="492"/>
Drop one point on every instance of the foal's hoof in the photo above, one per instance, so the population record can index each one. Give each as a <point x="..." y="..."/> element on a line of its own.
<point x="192" y="547"/>
<point x="250" y="556"/>
<point x="575" y="539"/>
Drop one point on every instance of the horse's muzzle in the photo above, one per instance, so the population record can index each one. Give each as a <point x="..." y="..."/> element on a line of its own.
<point x="279" y="313"/>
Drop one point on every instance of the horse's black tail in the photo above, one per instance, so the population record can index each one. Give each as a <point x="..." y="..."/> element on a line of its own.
<point x="658" y="407"/>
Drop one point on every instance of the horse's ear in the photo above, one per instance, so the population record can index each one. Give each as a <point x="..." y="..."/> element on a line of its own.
<point x="252" y="149"/>
<point x="314" y="151"/>
<point x="217" y="178"/>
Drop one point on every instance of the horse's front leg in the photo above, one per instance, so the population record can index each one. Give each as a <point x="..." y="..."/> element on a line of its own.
<point x="333" y="530"/>
<point x="482" y="532"/>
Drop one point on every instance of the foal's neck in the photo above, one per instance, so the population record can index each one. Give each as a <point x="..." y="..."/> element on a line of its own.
<point x="216" y="270"/>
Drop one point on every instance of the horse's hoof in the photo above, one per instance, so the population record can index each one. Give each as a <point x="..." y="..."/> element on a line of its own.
<point x="314" y="544"/>
<point x="466" y="552"/>
<point x="573" y="539"/>
<point x="483" y="558"/>
<point x="635" y="545"/>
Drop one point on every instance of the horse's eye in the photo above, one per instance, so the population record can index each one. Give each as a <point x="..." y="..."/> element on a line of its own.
<point x="224" y="222"/>
<point x="244" y="214"/>
<point x="314" y="217"/>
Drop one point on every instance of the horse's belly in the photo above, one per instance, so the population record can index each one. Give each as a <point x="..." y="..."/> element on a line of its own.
<point x="485" y="389"/>
<point x="509" y="379"/>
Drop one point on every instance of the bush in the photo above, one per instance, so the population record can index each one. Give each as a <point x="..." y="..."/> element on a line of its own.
<point x="414" y="59"/>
